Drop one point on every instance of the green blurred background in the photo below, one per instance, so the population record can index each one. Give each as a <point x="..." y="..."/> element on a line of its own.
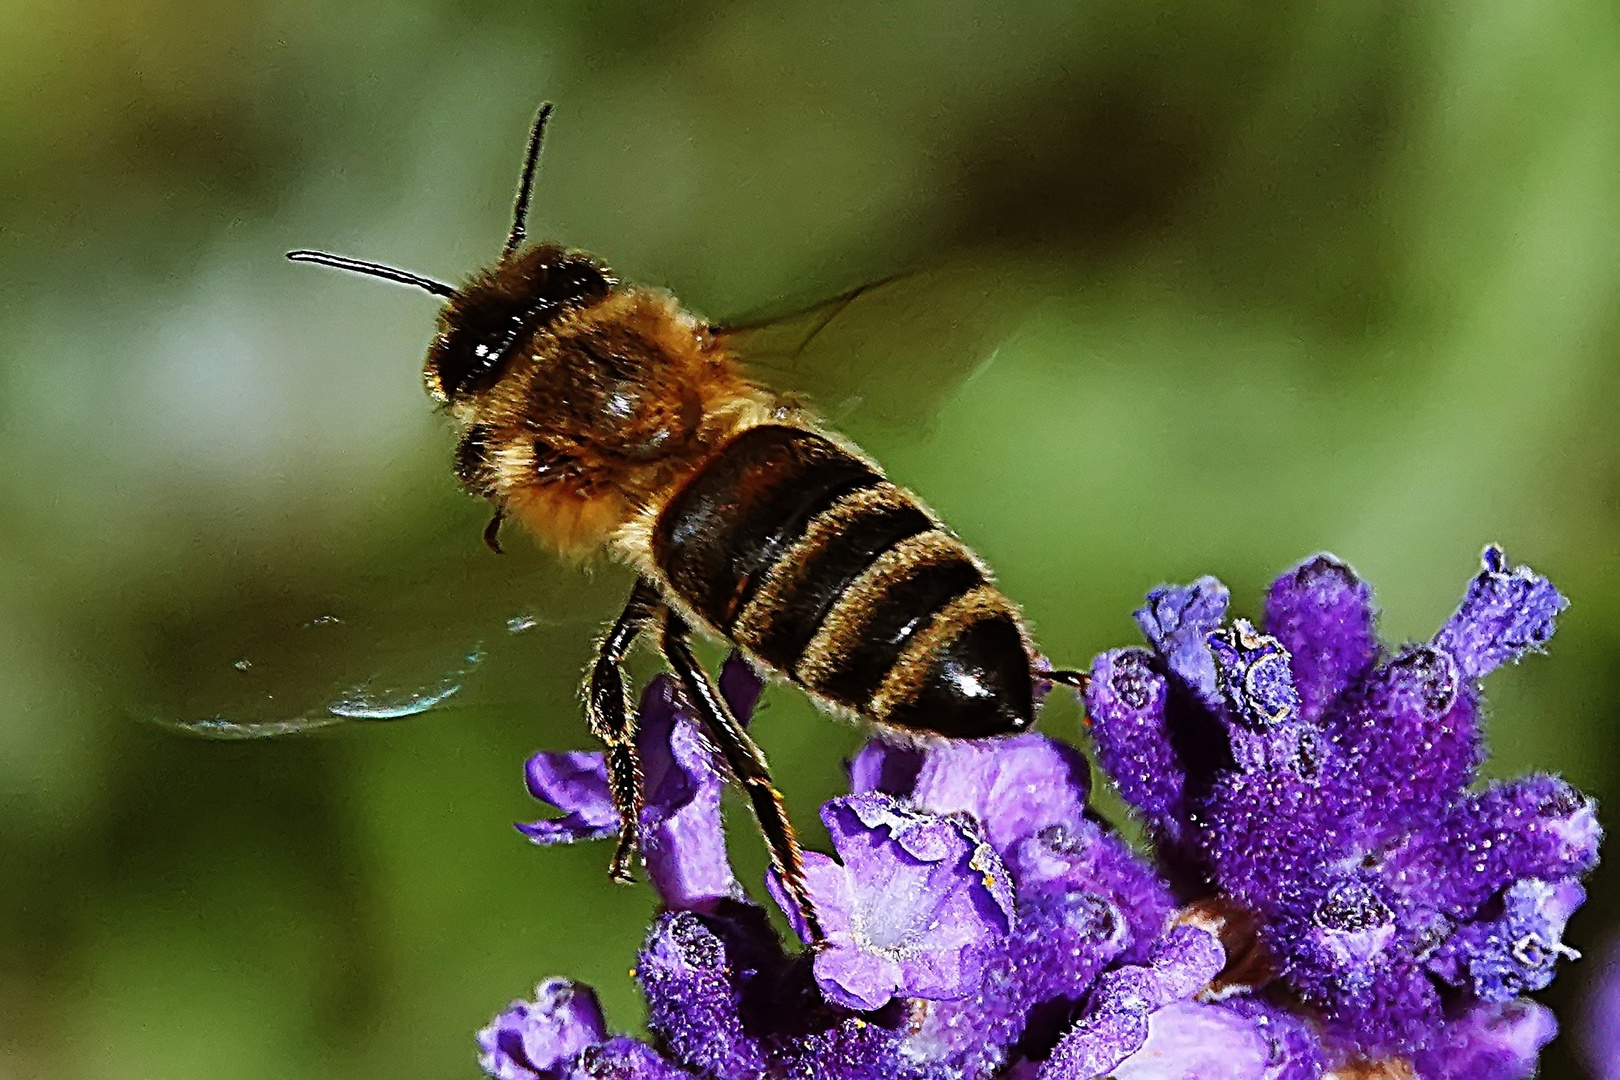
<point x="1257" y="279"/>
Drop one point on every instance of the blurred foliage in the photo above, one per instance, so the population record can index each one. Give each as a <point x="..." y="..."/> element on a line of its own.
<point x="1267" y="278"/>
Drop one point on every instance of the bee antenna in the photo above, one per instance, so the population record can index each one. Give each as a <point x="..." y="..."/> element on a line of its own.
<point x="531" y="161"/>
<point x="372" y="269"/>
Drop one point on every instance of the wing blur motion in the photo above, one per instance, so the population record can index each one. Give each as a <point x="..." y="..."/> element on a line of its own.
<point x="382" y="634"/>
<point x="889" y="353"/>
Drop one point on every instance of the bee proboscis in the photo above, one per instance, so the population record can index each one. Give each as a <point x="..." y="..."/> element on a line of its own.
<point x="604" y="417"/>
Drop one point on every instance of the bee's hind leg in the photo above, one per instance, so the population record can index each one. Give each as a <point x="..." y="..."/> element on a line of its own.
<point x="612" y="718"/>
<point x="747" y="764"/>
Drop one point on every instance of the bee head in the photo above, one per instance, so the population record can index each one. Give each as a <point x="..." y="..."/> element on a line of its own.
<point x="483" y="325"/>
<point x="486" y="323"/>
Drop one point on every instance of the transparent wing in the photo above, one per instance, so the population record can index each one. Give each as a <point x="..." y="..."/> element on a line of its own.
<point x="370" y="636"/>
<point x="888" y="353"/>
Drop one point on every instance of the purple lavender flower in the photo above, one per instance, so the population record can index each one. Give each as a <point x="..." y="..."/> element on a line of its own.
<point x="977" y="919"/>
<point x="1320" y="784"/>
<point x="1329" y="899"/>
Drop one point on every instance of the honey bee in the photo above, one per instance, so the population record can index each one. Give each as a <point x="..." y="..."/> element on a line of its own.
<point x="604" y="417"/>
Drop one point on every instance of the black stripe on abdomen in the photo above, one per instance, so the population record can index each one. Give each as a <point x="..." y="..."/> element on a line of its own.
<point x="862" y="635"/>
<point x="839" y="547"/>
<point x="732" y="522"/>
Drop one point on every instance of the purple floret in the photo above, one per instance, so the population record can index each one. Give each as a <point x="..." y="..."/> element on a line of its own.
<point x="1323" y="615"/>
<point x="1409" y="729"/>
<point x="1506" y="613"/>
<point x="1128" y="703"/>
<point x="1514" y="951"/>
<point x="575" y="782"/>
<point x="1489" y="1042"/>
<point x="1254" y="676"/>
<point x="912" y="910"/>
<point x="1177" y="620"/>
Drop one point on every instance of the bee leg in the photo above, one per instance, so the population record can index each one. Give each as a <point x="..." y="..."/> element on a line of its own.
<point x="492" y="531"/>
<point x="747" y="763"/>
<point x="613" y="719"/>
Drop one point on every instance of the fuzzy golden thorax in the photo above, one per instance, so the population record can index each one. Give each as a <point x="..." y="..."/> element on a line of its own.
<point x="582" y="404"/>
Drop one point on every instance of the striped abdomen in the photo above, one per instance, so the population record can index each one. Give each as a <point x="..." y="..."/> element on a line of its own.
<point x="805" y="556"/>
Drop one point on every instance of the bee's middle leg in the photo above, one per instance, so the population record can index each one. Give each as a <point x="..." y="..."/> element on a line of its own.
<point x="747" y="764"/>
<point x="612" y="718"/>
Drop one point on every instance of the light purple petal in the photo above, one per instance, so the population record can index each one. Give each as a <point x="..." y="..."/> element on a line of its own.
<point x="857" y="978"/>
<point x="1491" y="1042"/>
<point x="682" y="835"/>
<point x="1115" y="1025"/>
<point x="1293" y="1044"/>
<point x="1185" y="1039"/>
<point x="1014" y="787"/>
<point x="538" y="1039"/>
<point x="916" y="902"/>
<point x="1505" y="614"/>
<point x="574" y="782"/>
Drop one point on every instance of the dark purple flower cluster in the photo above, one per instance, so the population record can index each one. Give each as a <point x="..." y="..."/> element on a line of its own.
<point x="1318" y="783"/>
<point x="1329" y="898"/>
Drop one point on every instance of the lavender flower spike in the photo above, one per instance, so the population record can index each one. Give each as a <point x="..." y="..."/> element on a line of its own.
<point x="1324" y="799"/>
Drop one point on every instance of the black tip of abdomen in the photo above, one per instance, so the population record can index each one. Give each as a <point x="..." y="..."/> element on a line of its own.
<point x="980" y="684"/>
